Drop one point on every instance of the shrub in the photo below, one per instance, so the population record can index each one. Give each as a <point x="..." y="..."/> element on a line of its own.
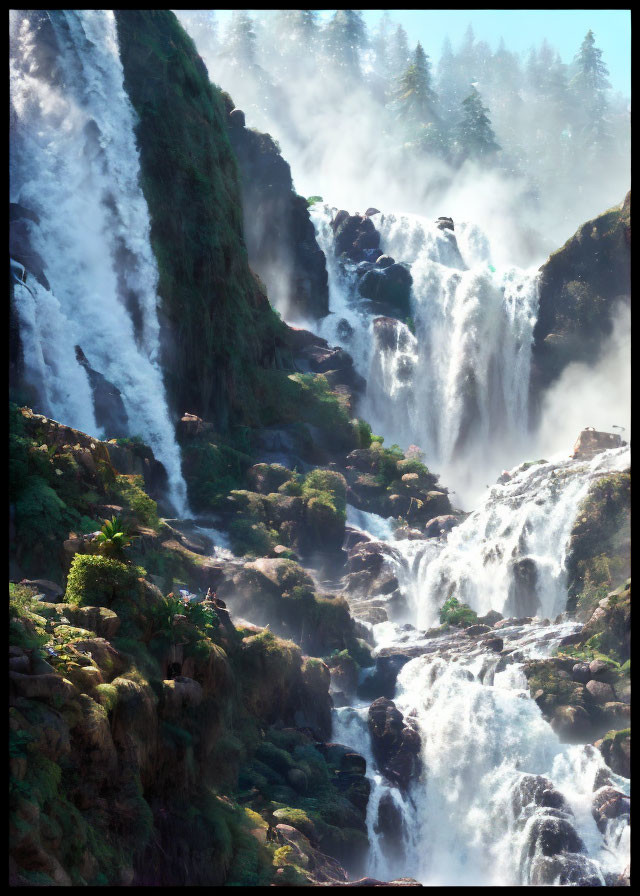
<point x="248" y="538"/>
<point x="96" y="581"/>
<point x="453" y="612"/>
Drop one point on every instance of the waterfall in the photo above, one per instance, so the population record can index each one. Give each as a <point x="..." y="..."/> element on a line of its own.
<point x="472" y="818"/>
<point x="484" y="742"/>
<point x="458" y="387"/>
<point x="75" y="167"/>
<point x="509" y="555"/>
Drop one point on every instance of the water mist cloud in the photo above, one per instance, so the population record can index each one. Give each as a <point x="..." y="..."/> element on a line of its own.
<point x="596" y="395"/>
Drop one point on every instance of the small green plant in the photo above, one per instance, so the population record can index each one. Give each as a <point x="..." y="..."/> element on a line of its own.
<point x="113" y="538"/>
<point x="313" y="199"/>
<point x="453" y="612"/>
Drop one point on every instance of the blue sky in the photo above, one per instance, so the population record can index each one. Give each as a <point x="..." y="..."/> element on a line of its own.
<point x="521" y="28"/>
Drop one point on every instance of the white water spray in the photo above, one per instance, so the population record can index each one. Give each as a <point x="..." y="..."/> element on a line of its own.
<point x="75" y="165"/>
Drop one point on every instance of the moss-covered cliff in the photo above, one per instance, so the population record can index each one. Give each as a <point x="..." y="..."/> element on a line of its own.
<point x="219" y="328"/>
<point x="580" y="285"/>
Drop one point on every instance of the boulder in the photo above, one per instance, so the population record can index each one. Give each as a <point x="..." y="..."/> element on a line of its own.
<point x="549" y="836"/>
<point x="395" y="746"/>
<point x="590" y="442"/>
<point x="600" y="692"/>
<point x="49" y="687"/>
<point x="372" y="211"/>
<point x="444" y="223"/>
<point x="490" y="618"/>
<point x="390" y="286"/>
<point x="568" y="869"/>
<point x="440" y="525"/>
<point x="609" y="803"/>
<point x="581" y="672"/>
<point x="353" y="234"/>
<point x="190" y="426"/>
<point x="385" y="261"/>
<point x="237" y="118"/>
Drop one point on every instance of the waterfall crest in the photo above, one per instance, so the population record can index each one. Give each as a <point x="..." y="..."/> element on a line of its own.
<point x="75" y="166"/>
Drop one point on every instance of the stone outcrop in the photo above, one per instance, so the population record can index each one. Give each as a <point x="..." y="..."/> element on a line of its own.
<point x="580" y="285"/>
<point x="395" y="743"/>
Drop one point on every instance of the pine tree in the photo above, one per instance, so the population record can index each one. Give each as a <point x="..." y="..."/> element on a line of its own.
<point x="589" y="87"/>
<point x="417" y="102"/>
<point x="475" y="136"/>
<point x="399" y="55"/>
<point x="344" y="36"/>
<point x="240" y="39"/>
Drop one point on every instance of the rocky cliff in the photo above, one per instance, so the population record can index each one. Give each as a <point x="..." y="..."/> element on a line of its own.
<point x="280" y="237"/>
<point x="580" y="286"/>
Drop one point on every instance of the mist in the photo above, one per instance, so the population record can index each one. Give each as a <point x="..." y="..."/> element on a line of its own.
<point x="334" y="113"/>
<point x="597" y="395"/>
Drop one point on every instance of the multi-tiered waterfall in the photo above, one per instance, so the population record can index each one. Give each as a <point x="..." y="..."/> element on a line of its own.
<point x="470" y="818"/>
<point x="75" y="167"/>
<point x="458" y="385"/>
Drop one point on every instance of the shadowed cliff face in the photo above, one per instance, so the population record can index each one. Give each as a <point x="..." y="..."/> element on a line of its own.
<point x="280" y="237"/>
<point x="579" y="286"/>
<point x="218" y="324"/>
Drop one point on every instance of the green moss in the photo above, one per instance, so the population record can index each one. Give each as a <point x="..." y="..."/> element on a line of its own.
<point x="616" y="736"/>
<point x="251" y="539"/>
<point x="307" y="398"/>
<point x="212" y="471"/>
<point x="130" y="490"/>
<point x="328" y="486"/>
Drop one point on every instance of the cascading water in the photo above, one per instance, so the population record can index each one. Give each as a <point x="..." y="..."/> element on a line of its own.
<point x="487" y="752"/>
<point x="459" y="386"/>
<point x="509" y="555"/>
<point x="475" y="815"/>
<point x="75" y="167"/>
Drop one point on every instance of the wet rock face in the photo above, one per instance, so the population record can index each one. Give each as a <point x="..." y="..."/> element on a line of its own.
<point x="354" y="234"/>
<point x="382" y="682"/>
<point x="390" y="828"/>
<point x="536" y="790"/>
<point x="566" y="870"/>
<point x="281" y="239"/>
<point x="396" y="745"/>
<point x="108" y="405"/>
<point x="523" y="599"/>
<point x="550" y="836"/>
<point x="609" y="803"/>
<point x="389" y="286"/>
<point x="616" y="751"/>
